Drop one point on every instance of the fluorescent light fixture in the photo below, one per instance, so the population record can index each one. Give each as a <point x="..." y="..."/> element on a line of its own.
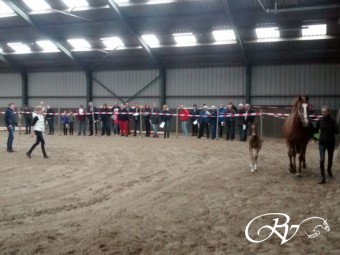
<point x="5" y="9"/>
<point x="1" y="50"/>
<point x="79" y="44"/>
<point x="224" y="35"/>
<point x="185" y="38"/>
<point x="112" y="43"/>
<point x="19" y="47"/>
<point x="76" y="3"/>
<point x="47" y="46"/>
<point x="37" y="5"/>
<point x="267" y="32"/>
<point x="121" y="1"/>
<point x="151" y="40"/>
<point x="314" y="30"/>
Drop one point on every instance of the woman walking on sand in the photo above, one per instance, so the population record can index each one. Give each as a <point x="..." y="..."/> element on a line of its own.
<point x="38" y="124"/>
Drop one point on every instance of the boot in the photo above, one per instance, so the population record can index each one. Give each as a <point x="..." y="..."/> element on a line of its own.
<point x="329" y="170"/>
<point x="28" y="154"/>
<point x="322" y="171"/>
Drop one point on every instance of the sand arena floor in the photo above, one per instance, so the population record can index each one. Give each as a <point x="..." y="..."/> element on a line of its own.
<point x="117" y="195"/>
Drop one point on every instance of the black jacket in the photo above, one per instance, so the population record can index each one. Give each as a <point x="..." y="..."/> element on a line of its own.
<point x="328" y="129"/>
<point x="105" y="114"/>
<point x="194" y="112"/>
<point x="124" y="116"/>
<point x="166" y="117"/>
<point x="49" y="116"/>
<point x="154" y="117"/>
<point x="89" y="116"/>
<point x="146" y="114"/>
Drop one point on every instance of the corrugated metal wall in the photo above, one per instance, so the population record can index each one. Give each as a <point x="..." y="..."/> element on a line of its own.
<point x="64" y="89"/>
<point x="279" y="85"/>
<point x="10" y="89"/>
<point x="125" y="84"/>
<point x="210" y="86"/>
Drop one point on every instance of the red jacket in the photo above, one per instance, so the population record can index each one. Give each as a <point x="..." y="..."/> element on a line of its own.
<point x="184" y="115"/>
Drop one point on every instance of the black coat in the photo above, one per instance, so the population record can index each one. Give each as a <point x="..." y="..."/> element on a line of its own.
<point x="90" y="113"/>
<point x="328" y="130"/>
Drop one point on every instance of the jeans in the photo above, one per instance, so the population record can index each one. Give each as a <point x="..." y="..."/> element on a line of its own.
<point x="82" y="127"/>
<point x="230" y="130"/>
<point x="136" y="124"/>
<point x="155" y="129"/>
<point x="10" y="138"/>
<point x="184" y="125"/>
<point x="213" y="130"/>
<point x="105" y="127"/>
<point x="51" y="125"/>
<point x="322" y="150"/>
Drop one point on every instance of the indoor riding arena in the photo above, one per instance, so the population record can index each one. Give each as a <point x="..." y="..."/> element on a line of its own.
<point x="169" y="127"/>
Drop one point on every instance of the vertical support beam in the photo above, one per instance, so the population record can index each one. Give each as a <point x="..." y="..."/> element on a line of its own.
<point x="89" y="86"/>
<point x="162" y="74"/>
<point x="24" y="88"/>
<point x="248" y="84"/>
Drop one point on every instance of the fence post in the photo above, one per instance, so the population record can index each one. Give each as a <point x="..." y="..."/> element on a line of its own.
<point x="177" y="123"/>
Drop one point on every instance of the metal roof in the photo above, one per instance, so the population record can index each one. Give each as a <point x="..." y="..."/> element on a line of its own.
<point x="130" y="20"/>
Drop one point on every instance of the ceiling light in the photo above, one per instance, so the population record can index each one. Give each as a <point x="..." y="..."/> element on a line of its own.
<point x="19" y="47"/>
<point x="76" y="3"/>
<point x="185" y="38"/>
<point x="121" y="1"/>
<point x="267" y="32"/>
<point x="224" y="35"/>
<point x="5" y="9"/>
<point x="47" y="46"/>
<point x="37" y="5"/>
<point x="151" y="40"/>
<point x="314" y="30"/>
<point x="112" y="43"/>
<point x="79" y="44"/>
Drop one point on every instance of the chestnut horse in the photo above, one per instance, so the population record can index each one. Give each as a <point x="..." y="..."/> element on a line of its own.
<point x="297" y="133"/>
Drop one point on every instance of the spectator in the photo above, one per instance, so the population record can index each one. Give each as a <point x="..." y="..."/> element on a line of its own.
<point x="65" y="122"/>
<point x="105" y="118"/>
<point x="81" y="116"/>
<point x="28" y="119"/>
<point x="147" y="111"/>
<point x="184" y="116"/>
<point x="135" y="112"/>
<point x="93" y="118"/>
<point x="194" y="119"/>
<point x="50" y="119"/>
<point x="166" y="118"/>
<point x="123" y="118"/>
<point x="71" y="121"/>
<point x="115" y="122"/>
<point x="213" y="122"/>
<point x="221" y="122"/>
<point x="230" y="123"/>
<point x="204" y="122"/>
<point x="155" y="119"/>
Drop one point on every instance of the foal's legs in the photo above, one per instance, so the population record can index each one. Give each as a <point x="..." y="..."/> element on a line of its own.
<point x="251" y="159"/>
<point x="291" y="155"/>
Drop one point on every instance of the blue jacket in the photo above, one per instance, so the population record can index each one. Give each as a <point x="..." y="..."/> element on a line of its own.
<point x="10" y="118"/>
<point x="64" y="119"/>
<point x="203" y="117"/>
<point x="221" y="111"/>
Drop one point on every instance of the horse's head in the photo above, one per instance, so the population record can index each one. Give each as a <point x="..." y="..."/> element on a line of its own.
<point x="300" y="108"/>
<point x="253" y="130"/>
<point x="325" y="226"/>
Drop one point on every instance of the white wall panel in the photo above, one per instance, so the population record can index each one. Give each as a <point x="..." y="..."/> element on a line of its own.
<point x="279" y="85"/>
<point x="58" y="102"/>
<point x="126" y="83"/>
<point x="10" y="85"/>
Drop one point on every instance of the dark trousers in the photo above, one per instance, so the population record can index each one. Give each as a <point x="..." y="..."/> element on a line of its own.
<point x="240" y="127"/>
<point x="194" y="129"/>
<point x="28" y="123"/>
<point x="330" y="150"/>
<point x="220" y="129"/>
<point x="105" y="127"/>
<point x="71" y="125"/>
<point x="50" y="123"/>
<point x="40" y="139"/>
<point x="166" y="129"/>
<point x="136" y="124"/>
<point x="65" y="129"/>
<point x="230" y="130"/>
<point x="202" y="127"/>
<point x="213" y="130"/>
<point x="244" y="133"/>
<point x="147" y="127"/>
<point x="10" y="138"/>
<point x="91" y="127"/>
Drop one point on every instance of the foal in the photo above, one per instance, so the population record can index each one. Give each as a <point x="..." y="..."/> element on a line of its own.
<point x="254" y="147"/>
